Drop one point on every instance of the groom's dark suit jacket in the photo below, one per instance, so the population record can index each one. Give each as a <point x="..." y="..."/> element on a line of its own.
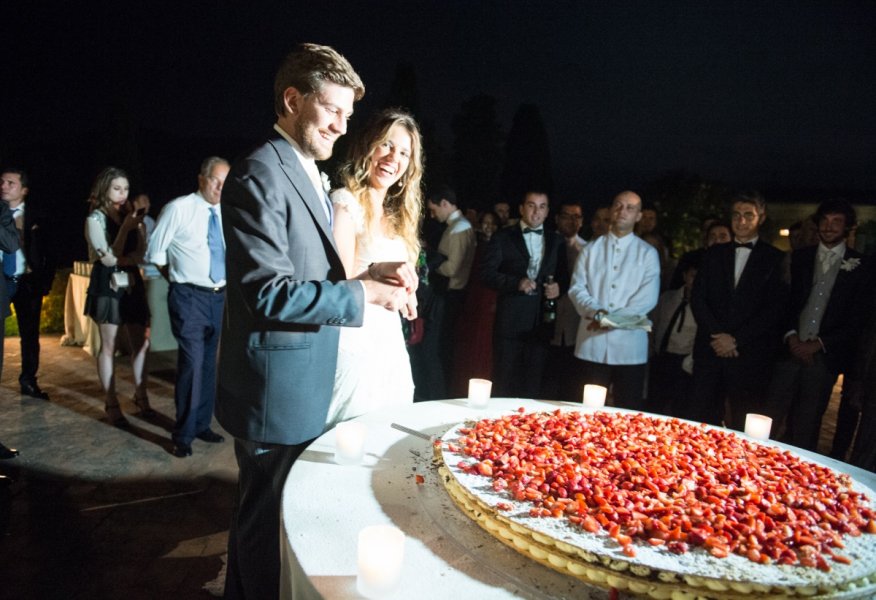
<point x="842" y="316"/>
<point x="751" y="312"/>
<point x="285" y="300"/>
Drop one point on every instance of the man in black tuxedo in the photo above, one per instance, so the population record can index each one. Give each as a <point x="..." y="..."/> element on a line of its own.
<point x="9" y="241"/>
<point x="29" y="277"/>
<point x="822" y="322"/>
<point x="517" y="263"/>
<point x="738" y="301"/>
<point x="285" y="300"/>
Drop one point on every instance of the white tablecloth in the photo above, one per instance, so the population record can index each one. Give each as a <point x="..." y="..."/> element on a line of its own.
<point x="446" y="554"/>
<point x="80" y="330"/>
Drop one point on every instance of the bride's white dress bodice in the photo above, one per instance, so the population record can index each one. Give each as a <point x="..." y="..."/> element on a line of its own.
<point x="374" y="370"/>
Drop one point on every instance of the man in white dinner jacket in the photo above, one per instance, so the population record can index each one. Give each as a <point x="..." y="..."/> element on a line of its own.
<point x="617" y="275"/>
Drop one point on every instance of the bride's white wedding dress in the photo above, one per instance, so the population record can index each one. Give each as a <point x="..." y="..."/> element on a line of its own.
<point x="374" y="370"/>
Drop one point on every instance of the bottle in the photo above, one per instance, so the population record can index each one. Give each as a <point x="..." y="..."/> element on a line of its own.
<point x="549" y="306"/>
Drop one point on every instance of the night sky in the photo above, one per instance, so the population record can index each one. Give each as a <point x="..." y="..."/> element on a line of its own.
<point x="768" y="95"/>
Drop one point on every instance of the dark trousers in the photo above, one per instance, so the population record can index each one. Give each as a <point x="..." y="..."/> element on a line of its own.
<point x="626" y="382"/>
<point x="561" y="375"/>
<point x="196" y="322"/>
<point x="800" y="394"/>
<point x="427" y="366"/>
<point x="518" y="365"/>
<point x="738" y="384"/>
<point x="28" y="303"/>
<point x="254" y="537"/>
<point x="668" y="384"/>
<point x="453" y="303"/>
<point x="847" y="418"/>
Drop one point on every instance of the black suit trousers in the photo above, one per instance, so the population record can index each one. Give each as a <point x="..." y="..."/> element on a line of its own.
<point x="28" y="303"/>
<point x="726" y="389"/>
<point x="254" y="537"/>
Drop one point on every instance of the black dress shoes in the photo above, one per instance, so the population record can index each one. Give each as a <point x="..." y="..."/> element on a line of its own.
<point x="7" y="452"/>
<point x="34" y="391"/>
<point x="181" y="450"/>
<point x="210" y="436"/>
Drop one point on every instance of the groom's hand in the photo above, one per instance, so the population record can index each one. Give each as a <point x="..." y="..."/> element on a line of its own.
<point x="390" y="297"/>
<point x="399" y="274"/>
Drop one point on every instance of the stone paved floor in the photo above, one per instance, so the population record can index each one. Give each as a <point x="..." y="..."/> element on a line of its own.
<point x="98" y="512"/>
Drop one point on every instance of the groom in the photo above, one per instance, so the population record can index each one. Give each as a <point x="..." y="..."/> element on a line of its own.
<point x="286" y="297"/>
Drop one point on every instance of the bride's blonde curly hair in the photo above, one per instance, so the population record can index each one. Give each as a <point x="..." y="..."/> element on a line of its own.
<point x="403" y="204"/>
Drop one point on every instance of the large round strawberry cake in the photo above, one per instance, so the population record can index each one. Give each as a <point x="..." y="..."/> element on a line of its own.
<point x="663" y="508"/>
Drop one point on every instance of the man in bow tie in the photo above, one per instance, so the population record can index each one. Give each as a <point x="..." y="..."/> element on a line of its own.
<point x="517" y="263"/>
<point x="737" y="300"/>
<point x="821" y="327"/>
<point x="616" y="274"/>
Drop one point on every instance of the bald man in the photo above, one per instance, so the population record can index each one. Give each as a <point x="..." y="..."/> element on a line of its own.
<point x="617" y="274"/>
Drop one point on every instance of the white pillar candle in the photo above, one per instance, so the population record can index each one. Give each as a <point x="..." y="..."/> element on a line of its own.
<point x="349" y="442"/>
<point x="594" y="396"/>
<point x="380" y="557"/>
<point x="758" y="426"/>
<point x="479" y="392"/>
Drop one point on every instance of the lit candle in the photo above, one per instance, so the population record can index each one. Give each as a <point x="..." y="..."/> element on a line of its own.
<point x="594" y="396"/>
<point x="380" y="557"/>
<point x="479" y="392"/>
<point x="349" y="442"/>
<point x="758" y="426"/>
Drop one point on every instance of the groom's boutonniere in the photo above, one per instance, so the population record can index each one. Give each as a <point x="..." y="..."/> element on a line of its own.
<point x="326" y="183"/>
<point x="850" y="264"/>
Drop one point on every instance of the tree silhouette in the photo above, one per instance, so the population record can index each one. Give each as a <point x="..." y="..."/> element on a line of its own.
<point x="527" y="156"/>
<point x="477" y="152"/>
<point x="403" y="92"/>
<point x="683" y="201"/>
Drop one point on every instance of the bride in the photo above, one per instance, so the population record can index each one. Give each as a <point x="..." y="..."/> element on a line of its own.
<point x="376" y="216"/>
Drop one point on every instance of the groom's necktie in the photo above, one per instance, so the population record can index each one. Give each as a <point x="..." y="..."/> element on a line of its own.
<point x="217" y="251"/>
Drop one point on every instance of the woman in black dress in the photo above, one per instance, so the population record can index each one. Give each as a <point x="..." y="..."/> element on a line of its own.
<point x="116" y="292"/>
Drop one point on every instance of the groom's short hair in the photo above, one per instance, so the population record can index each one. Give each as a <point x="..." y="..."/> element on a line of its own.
<point x="310" y="65"/>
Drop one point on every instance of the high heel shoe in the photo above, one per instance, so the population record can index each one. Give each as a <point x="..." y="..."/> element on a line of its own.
<point x="114" y="414"/>
<point x="142" y="402"/>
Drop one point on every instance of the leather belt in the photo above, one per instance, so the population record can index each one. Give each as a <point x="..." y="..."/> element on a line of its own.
<point x="219" y="289"/>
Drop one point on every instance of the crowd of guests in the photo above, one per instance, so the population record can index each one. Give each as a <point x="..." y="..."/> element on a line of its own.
<point x="737" y="326"/>
<point x="332" y="305"/>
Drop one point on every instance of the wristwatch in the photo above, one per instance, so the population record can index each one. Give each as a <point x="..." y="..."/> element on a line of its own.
<point x="598" y="315"/>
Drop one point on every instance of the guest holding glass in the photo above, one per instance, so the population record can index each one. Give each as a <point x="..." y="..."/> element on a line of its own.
<point x="116" y="294"/>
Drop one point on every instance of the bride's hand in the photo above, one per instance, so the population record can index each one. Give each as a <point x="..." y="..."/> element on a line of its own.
<point x="409" y="311"/>
<point x="394" y="273"/>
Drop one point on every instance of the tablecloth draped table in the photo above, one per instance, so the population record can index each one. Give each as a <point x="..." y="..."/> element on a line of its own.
<point x="447" y="555"/>
<point x="80" y="330"/>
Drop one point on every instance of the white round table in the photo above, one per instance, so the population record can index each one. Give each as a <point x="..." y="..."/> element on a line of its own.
<point x="446" y="554"/>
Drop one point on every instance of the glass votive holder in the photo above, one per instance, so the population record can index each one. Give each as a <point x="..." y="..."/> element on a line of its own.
<point x="350" y="442"/>
<point x="758" y="426"/>
<point x="380" y="555"/>
<point x="479" y="392"/>
<point x="594" y="396"/>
